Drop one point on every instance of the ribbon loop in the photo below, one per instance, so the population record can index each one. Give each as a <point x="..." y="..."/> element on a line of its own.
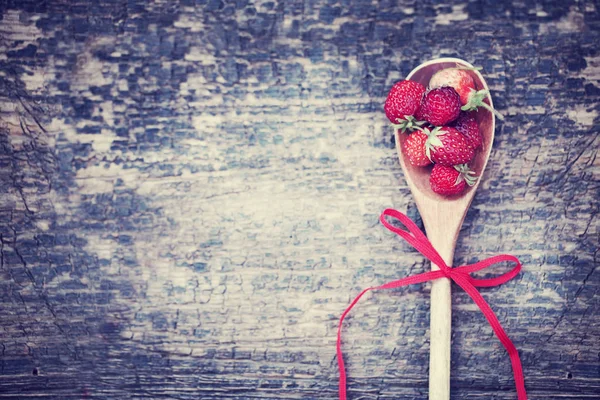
<point x="414" y="236"/>
<point x="460" y="275"/>
<point x="496" y="281"/>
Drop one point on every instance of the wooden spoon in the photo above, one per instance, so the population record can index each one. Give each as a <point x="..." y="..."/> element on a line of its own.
<point x="443" y="217"/>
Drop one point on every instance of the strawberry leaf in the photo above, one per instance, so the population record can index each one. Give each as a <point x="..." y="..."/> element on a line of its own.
<point x="459" y="179"/>
<point x="466" y="174"/>
<point x="433" y="141"/>
<point x="409" y="123"/>
<point x="476" y="100"/>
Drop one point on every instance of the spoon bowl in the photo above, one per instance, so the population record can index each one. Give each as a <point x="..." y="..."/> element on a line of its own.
<point x="418" y="177"/>
<point x="443" y="218"/>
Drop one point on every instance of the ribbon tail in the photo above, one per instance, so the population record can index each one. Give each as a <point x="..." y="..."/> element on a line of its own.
<point x="340" y="358"/>
<point x="424" y="277"/>
<point x="513" y="353"/>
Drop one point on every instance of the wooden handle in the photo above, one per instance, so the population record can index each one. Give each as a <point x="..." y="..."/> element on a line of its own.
<point x="440" y="335"/>
<point x="440" y="326"/>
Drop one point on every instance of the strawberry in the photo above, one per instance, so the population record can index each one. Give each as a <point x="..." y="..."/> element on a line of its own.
<point x="402" y="102"/>
<point x="414" y="148"/>
<point x="449" y="181"/>
<point x="467" y="125"/>
<point x="447" y="146"/>
<point x="440" y="106"/>
<point x="461" y="80"/>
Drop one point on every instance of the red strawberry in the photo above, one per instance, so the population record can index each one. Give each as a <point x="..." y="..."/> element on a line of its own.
<point x="449" y="181"/>
<point x="414" y="148"/>
<point x="439" y="106"/>
<point x="461" y="80"/>
<point x="467" y="125"/>
<point x="402" y="102"/>
<point x="447" y="146"/>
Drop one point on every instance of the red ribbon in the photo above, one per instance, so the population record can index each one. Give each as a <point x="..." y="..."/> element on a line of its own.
<point x="460" y="275"/>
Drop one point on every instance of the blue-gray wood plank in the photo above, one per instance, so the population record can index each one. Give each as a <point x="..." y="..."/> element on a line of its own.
<point x="190" y="193"/>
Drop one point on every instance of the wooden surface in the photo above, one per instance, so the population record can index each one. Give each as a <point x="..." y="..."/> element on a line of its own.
<point x="190" y="194"/>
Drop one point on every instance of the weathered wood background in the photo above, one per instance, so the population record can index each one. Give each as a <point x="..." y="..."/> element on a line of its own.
<point x="190" y="194"/>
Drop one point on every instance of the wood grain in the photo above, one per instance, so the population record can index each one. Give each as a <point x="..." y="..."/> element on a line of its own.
<point x="191" y="190"/>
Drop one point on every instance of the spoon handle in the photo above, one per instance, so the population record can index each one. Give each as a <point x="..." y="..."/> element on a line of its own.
<point x="440" y="325"/>
<point x="440" y="336"/>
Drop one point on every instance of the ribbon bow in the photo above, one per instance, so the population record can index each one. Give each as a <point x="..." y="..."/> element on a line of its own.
<point x="460" y="275"/>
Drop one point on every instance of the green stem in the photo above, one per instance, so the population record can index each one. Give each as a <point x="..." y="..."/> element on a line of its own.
<point x="490" y="109"/>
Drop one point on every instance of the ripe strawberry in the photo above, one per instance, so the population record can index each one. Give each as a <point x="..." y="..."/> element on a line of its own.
<point x="449" y="181"/>
<point x="440" y="106"/>
<point x="402" y="102"/>
<point x="461" y="80"/>
<point x="447" y="146"/>
<point x="414" y="148"/>
<point x="467" y="125"/>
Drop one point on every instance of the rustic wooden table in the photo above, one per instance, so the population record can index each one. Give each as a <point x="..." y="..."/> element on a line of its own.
<point x="190" y="195"/>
